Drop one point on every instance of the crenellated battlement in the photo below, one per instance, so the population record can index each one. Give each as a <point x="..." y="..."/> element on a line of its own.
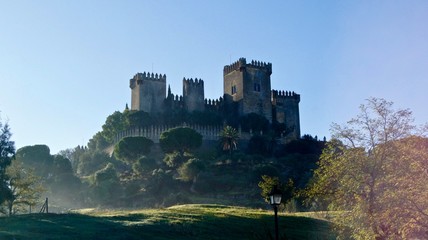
<point x="213" y="104"/>
<point x="140" y="77"/>
<point x="193" y="83"/>
<point x="285" y="94"/>
<point x="261" y="65"/>
<point x="234" y="66"/>
<point x="242" y="63"/>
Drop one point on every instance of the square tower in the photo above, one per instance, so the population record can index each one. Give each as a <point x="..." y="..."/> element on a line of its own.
<point x="249" y="85"/>
<point x="147" y="92"/>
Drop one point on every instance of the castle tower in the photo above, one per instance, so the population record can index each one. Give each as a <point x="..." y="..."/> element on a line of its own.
<point x="193" y="94"/>
<point x="286" y="110"/>
<point x="148" y="92"/>
<point x="249" y="85"/>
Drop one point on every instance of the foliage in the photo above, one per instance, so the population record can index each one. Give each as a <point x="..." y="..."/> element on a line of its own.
<point x="258" y="145"/>
<point x="25" y="187"/>
<point x="138" y="119"/>
<point x="263" y="169"/>
<point x="144" y="164"/>
<point x="160" y="184"/>
<point x="90" y="162"/>
<point x="105" y="185"/>
<point x="268" y="183"/>
<point x="375" y="174"/>
<point x="190" y="170"/>
<point x="175" y="159"/>
<point x="229" y="139"/>
<point x="306" y="145"/>
<point x="7" y="153"/>
<point x="98" y="142"/>
<point x="130" y="149"/>
<point x="254" y="122"/>
<point x="37" y="157"/>
<point x="114" y="124"/>
<point x="180" y="139"/>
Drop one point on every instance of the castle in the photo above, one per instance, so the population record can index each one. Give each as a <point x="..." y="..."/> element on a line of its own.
<point x="246" y="89"/>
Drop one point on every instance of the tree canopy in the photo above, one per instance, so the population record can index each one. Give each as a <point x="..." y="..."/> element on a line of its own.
<point x="374" y="172"/>
<point x="181" y="140"/>
<point x="130" y="149"/>
<point x="7" y="153"/>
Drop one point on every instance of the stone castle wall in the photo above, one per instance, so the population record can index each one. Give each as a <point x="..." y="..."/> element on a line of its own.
<point x="246" y="88"/>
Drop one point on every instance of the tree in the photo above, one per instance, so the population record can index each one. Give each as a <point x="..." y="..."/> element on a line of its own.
<point x="7" y="154"/>
<point x="90" y="162"/>
<point x="130" y="149"/>
<point x="229" y="139"/>
<point x="181" y="140"/>
<point x="191" y="169"/>
<point x="106" y="185"/>
<point x="374" y="172"/>
<point x="268" y="183"/>
<point x="138" y="119"/>
<point x="37" y="157"/>
<point x="25" y="187"/>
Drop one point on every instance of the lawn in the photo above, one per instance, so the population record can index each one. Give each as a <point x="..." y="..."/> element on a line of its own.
<point x="178" y="222"/>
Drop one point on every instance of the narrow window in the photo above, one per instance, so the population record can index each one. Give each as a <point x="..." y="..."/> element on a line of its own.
<point x="233" y="89"/>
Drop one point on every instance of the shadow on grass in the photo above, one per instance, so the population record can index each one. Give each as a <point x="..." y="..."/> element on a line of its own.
<point x="158" y="226"/>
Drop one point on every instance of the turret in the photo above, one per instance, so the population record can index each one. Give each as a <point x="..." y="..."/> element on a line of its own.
<point x="249" y="86"/>
<point x="193" y="94"/>
<point x="147" y="92"/>
<point x="286" y="110"/>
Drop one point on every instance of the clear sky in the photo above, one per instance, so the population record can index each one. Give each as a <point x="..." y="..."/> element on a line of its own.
<point x="65" y="65"/>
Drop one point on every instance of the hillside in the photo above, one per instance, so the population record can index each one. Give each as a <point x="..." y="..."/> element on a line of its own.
<point x="178" y="222"/>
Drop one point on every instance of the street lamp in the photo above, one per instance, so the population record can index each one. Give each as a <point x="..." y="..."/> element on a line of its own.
<point x="275" y="200"/>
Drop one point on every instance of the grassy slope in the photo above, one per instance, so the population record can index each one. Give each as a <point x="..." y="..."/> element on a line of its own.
<point x="179" y="222"/>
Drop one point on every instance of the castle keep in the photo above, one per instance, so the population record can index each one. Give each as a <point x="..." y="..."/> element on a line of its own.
<point x="246" y="89"/>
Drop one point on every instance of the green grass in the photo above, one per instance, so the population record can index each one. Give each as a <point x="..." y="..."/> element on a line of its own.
<point x="178" y="222"/>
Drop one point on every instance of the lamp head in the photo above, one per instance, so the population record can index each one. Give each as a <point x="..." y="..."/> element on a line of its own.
<point x="275" y="196"/>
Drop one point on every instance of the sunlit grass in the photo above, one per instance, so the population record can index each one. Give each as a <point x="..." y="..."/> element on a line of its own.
<point x="197" y="221"/>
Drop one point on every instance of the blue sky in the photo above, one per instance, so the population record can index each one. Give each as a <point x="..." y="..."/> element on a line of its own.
<point x="65" y="65"/>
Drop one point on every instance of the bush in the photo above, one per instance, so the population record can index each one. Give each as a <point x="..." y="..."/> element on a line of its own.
<point x="144" y="165"/>
<point x="189" y="170"/>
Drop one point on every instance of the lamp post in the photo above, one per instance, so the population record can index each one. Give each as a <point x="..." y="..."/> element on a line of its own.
<point x="275" y="200"/>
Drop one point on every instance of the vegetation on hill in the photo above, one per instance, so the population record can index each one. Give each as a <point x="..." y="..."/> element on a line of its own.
<point x="375" y="174"/>
<point x="372" y="174"/>
<point x="178" y="222"/>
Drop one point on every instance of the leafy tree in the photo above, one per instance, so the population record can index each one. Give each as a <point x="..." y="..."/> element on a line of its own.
<point x="268" y="183"/>
<point x="114" y="124"/>
<point x="37" y="157"/>
<point x="25" y="187"/>
<point x="181" y="140"/>
<point x="90" y="162"/>
<point x="229" y="139"/>
<point x="144" y="164"/>
<point x="130" y="149"/>
<point x="160" y="184"/>
<point x="99" y="141"/>
<point x="106" y="185"/>
<point x="73" y="154"/>
<point x="138" y="119"/>
<point x="175" y="159"/>
<point x="374" y="174"/>
<point x="7" y="153"/>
